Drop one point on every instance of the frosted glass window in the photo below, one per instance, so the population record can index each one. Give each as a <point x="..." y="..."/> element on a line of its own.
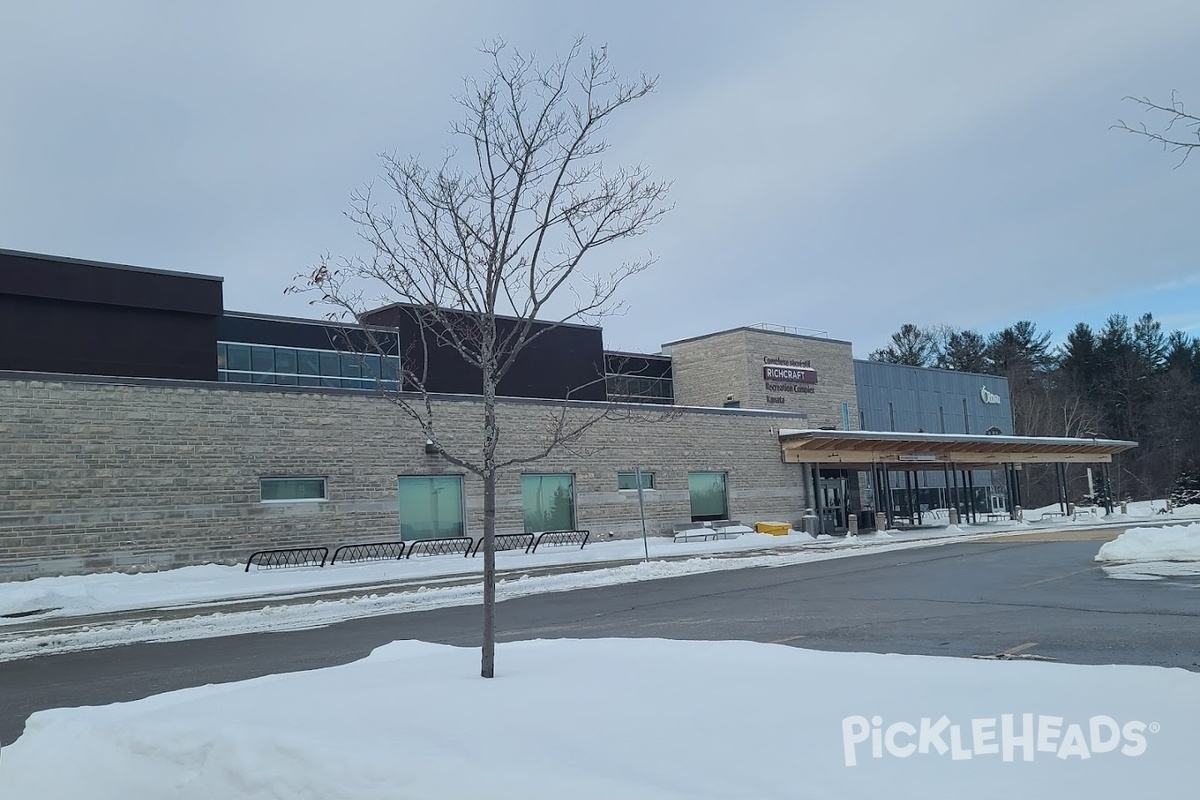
<point x="431" y="507"/>
<point x="281" y="490"/>
<point x="549" y="502"/>
<point x="707" y="492"/>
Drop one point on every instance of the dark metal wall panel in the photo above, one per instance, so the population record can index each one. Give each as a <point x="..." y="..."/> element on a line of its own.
<point x="42" y="335"/>
<point x="32" y="275"/>
<point x="249" y="329"/>
<point x="902" y="398"/>
<point x="565" y="361"/>
<point x="86" y="318"/>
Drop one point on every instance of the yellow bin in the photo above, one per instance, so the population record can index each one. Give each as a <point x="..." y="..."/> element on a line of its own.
<point x="774" y="528"/>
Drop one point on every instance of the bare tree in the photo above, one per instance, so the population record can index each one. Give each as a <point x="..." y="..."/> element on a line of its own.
<point x="1178" y="131"/>
<point x="504" y="227"/>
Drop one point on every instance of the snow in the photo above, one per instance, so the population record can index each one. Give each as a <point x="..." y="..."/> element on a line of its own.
<point x="318" y="613"/>
<point x="1147" y="554"/>
<point x="1172" y="543"/>
<point x="58" y="614"/>
<point x="632" y="719"/>
<point x="101" y="593"/>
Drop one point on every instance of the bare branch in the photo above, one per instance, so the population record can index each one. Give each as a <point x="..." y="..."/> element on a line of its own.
<point x="1176" y="117"/>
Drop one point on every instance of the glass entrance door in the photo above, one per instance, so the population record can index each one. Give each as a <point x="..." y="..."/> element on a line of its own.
<point x="833" y="502"/>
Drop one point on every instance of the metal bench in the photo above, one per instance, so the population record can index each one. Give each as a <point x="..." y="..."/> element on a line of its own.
<point x="706" y="531"/>
<point x="1052" y="515"/>
<point x="369" y="551"/>
<point x="996" y="516"/>
<point x="507" y="541"/>
<point x="288" y="557"/>
<point x="441" y="547"/>
<point x="559" y="538"/>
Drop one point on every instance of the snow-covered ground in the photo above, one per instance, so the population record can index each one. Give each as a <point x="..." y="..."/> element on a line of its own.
<point x="422" y="583"/>
<point x="77" y="595"/>
<point x="630" y="719"/>
<point x="280" y="616"/>
<point x="1153" y="553"/>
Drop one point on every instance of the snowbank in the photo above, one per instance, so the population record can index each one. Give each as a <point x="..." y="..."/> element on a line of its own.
<point x="1172" y="543"/>
<point x="629" y="719"/>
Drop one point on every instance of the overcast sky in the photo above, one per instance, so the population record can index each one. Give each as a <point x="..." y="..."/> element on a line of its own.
<point x="845" y="166"/>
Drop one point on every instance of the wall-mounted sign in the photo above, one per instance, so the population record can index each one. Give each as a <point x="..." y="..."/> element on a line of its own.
<point x="988" y="397"/>
<point x="775" y="372"/>
<point x="916" y="457"/>
<point x="785" y="376"/>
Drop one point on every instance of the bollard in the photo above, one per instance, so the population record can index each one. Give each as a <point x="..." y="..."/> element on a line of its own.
<point x="1018" y="514"/>
<point x="810" y="522"/>
<point x="1124" y="507"/>
<point x="1070" y="509"/>
<point x="852" y="525"/>
<point x="880" y="521"/>
<point x="954" y="516"/>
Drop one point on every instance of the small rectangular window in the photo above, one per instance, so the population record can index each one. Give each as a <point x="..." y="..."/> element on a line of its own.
<point x="548" y="502"/>
<point x="351" y="365"/>
<point x="431" y="507"/>
<point x="707" y="493"/>
<point x="628" y="480"/>
<point x="238" y="357"/>
<point x="285" y="361"/>
<point x="262" y="359"/>
<point x="308" y="363"/>
<point x="389" y="370"/>
<point x="291" y="490"/>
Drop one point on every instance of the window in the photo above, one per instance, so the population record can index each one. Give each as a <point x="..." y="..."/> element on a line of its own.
<point x="238" y="357"/>
<point x="628" y="480"/>
<point x="431" y="507"/>
<point x="548" y="502"/>
<point x="291" y="490"/>
<point x="639" y="389"/>
<point x="292" y="366"/>
<point x="707" y="492"/>
<point x="310" y="363"/>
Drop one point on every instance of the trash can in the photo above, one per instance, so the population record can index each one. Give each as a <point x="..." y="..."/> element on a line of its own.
<point x="774" y="528"/>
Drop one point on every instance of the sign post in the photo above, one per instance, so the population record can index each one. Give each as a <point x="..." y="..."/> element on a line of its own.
<point x="637" y="475"/>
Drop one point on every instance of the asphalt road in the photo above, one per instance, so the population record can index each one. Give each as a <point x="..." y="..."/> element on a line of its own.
<point x="1039" y="597"/>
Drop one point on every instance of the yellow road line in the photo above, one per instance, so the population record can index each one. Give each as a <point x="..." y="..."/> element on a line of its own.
<point x="1012" y="651"/>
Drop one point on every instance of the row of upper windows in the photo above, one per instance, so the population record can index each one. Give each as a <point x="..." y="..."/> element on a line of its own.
<point x="640" y="388"/>
<point x="431" y="506"/>
<point x="298" y="366"/>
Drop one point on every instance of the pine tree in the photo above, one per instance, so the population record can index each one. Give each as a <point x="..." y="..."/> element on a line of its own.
<point x="1186" y="490"/>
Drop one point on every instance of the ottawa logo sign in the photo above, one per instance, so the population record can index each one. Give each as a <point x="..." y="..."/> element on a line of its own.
<point x="988" y="397"/>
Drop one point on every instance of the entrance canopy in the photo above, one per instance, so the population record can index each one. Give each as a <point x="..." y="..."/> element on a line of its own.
<point x="916" y="451"/>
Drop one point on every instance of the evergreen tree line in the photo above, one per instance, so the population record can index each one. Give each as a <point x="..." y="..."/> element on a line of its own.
<point x="1120" y="381"/>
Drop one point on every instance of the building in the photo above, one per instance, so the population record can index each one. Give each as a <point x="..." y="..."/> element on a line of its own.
<point x="145" y="426"/>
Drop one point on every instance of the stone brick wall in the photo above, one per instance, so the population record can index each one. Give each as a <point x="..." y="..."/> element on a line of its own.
<point x="102" y="474"/>
<point x="706" y="371"/>
<point x="709" y="369"/>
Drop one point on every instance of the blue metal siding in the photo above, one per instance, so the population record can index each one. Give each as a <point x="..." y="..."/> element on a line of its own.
<point x="918" y="399"/>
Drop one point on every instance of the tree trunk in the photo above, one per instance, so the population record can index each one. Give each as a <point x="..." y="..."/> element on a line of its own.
<point x="490" y="436"/>
<point x="488" y="668"/>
